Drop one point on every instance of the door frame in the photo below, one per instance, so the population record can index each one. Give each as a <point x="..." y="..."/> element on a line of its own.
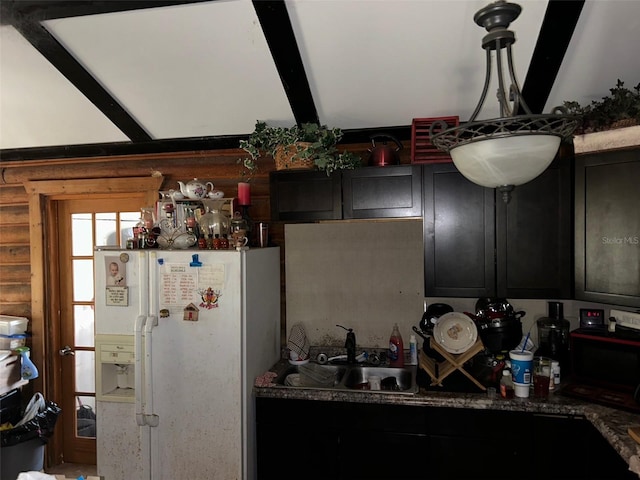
<point x="42" y="195"/>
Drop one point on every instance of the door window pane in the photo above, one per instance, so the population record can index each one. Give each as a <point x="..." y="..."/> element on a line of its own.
<point x="82" y="280"/>
<point x="86" y="417"/>
<point x="81" y="234"/>
<point x="85" y="371"/>
<point x="83" y="325"/>
<point x="128" y="220"/>
<point x="106" y="229"/>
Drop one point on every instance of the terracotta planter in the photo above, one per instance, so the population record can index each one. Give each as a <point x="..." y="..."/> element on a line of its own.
<point x="286" y="157"/>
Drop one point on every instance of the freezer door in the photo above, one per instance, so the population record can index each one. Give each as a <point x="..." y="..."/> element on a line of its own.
<point x="122" y="296"/>
<point x="122" y="446"/>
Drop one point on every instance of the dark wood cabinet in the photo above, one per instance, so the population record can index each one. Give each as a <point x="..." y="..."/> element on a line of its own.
<point x="343" y="440"/>
<point x="368" y="192"/>
<point x="459" y="238"/>
<point x="478" y="246"/>
<point x="478" y="444"/>
<point x="382" y="192"/>
<point x="534" y="236"/>
<point x="296" y="438"/>
<point x="607" y="227"/>
<point x="305" y="195"/>
<point x="567" y="447"/>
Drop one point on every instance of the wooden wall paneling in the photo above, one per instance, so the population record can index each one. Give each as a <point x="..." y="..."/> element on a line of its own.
<point x="15" y="270"/>
<point x="14" y="234"/>
<point x="24" y="222"/>
<point x="14" y="273"/>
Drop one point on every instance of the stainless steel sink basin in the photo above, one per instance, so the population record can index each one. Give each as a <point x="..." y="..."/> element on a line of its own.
<point x="291" y="376"/>
<point x="350" y="377"/>
<point x="391" y="379"/>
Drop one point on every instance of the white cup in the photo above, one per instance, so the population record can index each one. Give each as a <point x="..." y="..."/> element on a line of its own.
<point x="374" y="382"/>
<point x="521" y="390"/>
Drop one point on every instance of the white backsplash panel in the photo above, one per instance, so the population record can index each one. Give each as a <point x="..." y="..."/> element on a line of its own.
<point x="365" y="275"/>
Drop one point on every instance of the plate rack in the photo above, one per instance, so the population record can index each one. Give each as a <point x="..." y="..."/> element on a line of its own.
<point x="438" y="371"/>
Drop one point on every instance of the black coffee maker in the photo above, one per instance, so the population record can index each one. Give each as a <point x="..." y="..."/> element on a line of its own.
<point x="553" y="334"/>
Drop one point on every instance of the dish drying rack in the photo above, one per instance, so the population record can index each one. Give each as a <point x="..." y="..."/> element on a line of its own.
<point x="438" y="371"/>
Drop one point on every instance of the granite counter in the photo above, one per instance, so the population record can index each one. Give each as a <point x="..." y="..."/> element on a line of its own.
<point x="611" y="423"/>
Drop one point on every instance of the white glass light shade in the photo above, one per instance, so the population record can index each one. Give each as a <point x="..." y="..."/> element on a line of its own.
<point x="509" y="160"/>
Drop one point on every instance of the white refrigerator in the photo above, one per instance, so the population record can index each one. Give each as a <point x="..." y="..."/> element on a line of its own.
<point x="180" y="337"/>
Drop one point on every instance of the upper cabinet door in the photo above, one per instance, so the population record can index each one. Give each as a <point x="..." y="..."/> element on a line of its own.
<point x="534" y="236"/>
<point x="382" y="192"/>
<point x="459" y="239"/>
<point x="305" y="195"/>
<point x="607" y="226"/>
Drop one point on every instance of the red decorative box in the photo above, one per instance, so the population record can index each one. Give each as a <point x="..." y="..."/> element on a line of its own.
<point x="422" y="150"/>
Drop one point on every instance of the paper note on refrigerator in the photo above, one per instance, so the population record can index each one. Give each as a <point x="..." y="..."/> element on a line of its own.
<point x="211" y="276"/>
<point x="178" y="284"/>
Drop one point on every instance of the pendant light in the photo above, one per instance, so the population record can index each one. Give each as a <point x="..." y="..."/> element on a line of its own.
<point x="513" y="149"/>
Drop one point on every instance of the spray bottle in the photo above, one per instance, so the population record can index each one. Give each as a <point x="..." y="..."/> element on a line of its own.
<point x="396" y="348"/>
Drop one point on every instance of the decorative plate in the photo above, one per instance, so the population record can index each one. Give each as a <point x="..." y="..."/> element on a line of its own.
<point x="455" y="332"/>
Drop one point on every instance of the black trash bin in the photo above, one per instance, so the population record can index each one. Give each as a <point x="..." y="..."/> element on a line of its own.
<point x="22" y="447"/>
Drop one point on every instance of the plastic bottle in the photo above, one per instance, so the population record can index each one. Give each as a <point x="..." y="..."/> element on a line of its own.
<point x="555" y="373"/>
<point x="506" y="385"/>
<point x="413" y="350"/>
<point x="396" y="348"/>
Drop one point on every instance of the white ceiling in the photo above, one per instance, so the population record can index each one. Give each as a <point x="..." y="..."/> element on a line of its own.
<point x="206" y="70"/>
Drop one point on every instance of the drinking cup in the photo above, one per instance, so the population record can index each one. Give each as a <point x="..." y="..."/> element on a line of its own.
<point x="521" y="367"/>
<point x="541" y="376"/>
<point x="263" y="234"/>
<point x="240" y="242"/>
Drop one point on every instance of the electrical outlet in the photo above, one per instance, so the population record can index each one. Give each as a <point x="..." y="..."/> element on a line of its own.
<point x="626" y="319"/>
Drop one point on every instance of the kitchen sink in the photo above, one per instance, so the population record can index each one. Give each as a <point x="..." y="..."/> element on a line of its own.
<point x="391" y="379"/>
<point x="350" y="377"/>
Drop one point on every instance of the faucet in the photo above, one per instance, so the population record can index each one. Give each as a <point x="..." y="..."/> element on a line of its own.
<point x="350" y="344"/>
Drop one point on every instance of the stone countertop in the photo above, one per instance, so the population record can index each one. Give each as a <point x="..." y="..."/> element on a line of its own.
<point x="611" y="423"/>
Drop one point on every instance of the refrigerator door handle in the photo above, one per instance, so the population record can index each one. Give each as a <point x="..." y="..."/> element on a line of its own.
<point x="138" y="368"/>
<point x="147" y="403"/>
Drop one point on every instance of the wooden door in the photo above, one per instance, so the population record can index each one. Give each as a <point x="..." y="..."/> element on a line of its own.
<point x="82" y="224"/>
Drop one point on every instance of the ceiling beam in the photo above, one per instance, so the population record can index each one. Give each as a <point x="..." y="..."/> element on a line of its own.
<point x="277" y="29"/>
<point x="556" y="31"/>
<point x="192" y="144"/>
<point x="118" y="148"/>
<point x="38" y="36"/>
<point x="17" y="11"/>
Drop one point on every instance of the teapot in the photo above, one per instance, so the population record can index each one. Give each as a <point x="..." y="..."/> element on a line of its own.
<point x="195" y="190"/>
<point x="384" y="154"/>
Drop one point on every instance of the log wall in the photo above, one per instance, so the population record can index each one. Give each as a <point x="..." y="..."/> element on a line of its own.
<point x="217" y="166"/>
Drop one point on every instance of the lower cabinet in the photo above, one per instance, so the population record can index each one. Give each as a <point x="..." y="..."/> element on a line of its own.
<point x="343" y="440"/>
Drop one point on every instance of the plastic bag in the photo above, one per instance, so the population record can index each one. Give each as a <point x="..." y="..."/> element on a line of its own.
<point x="35" y="406"/>
<point x="35" y="476"/>
<point x="43" y="417"/>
